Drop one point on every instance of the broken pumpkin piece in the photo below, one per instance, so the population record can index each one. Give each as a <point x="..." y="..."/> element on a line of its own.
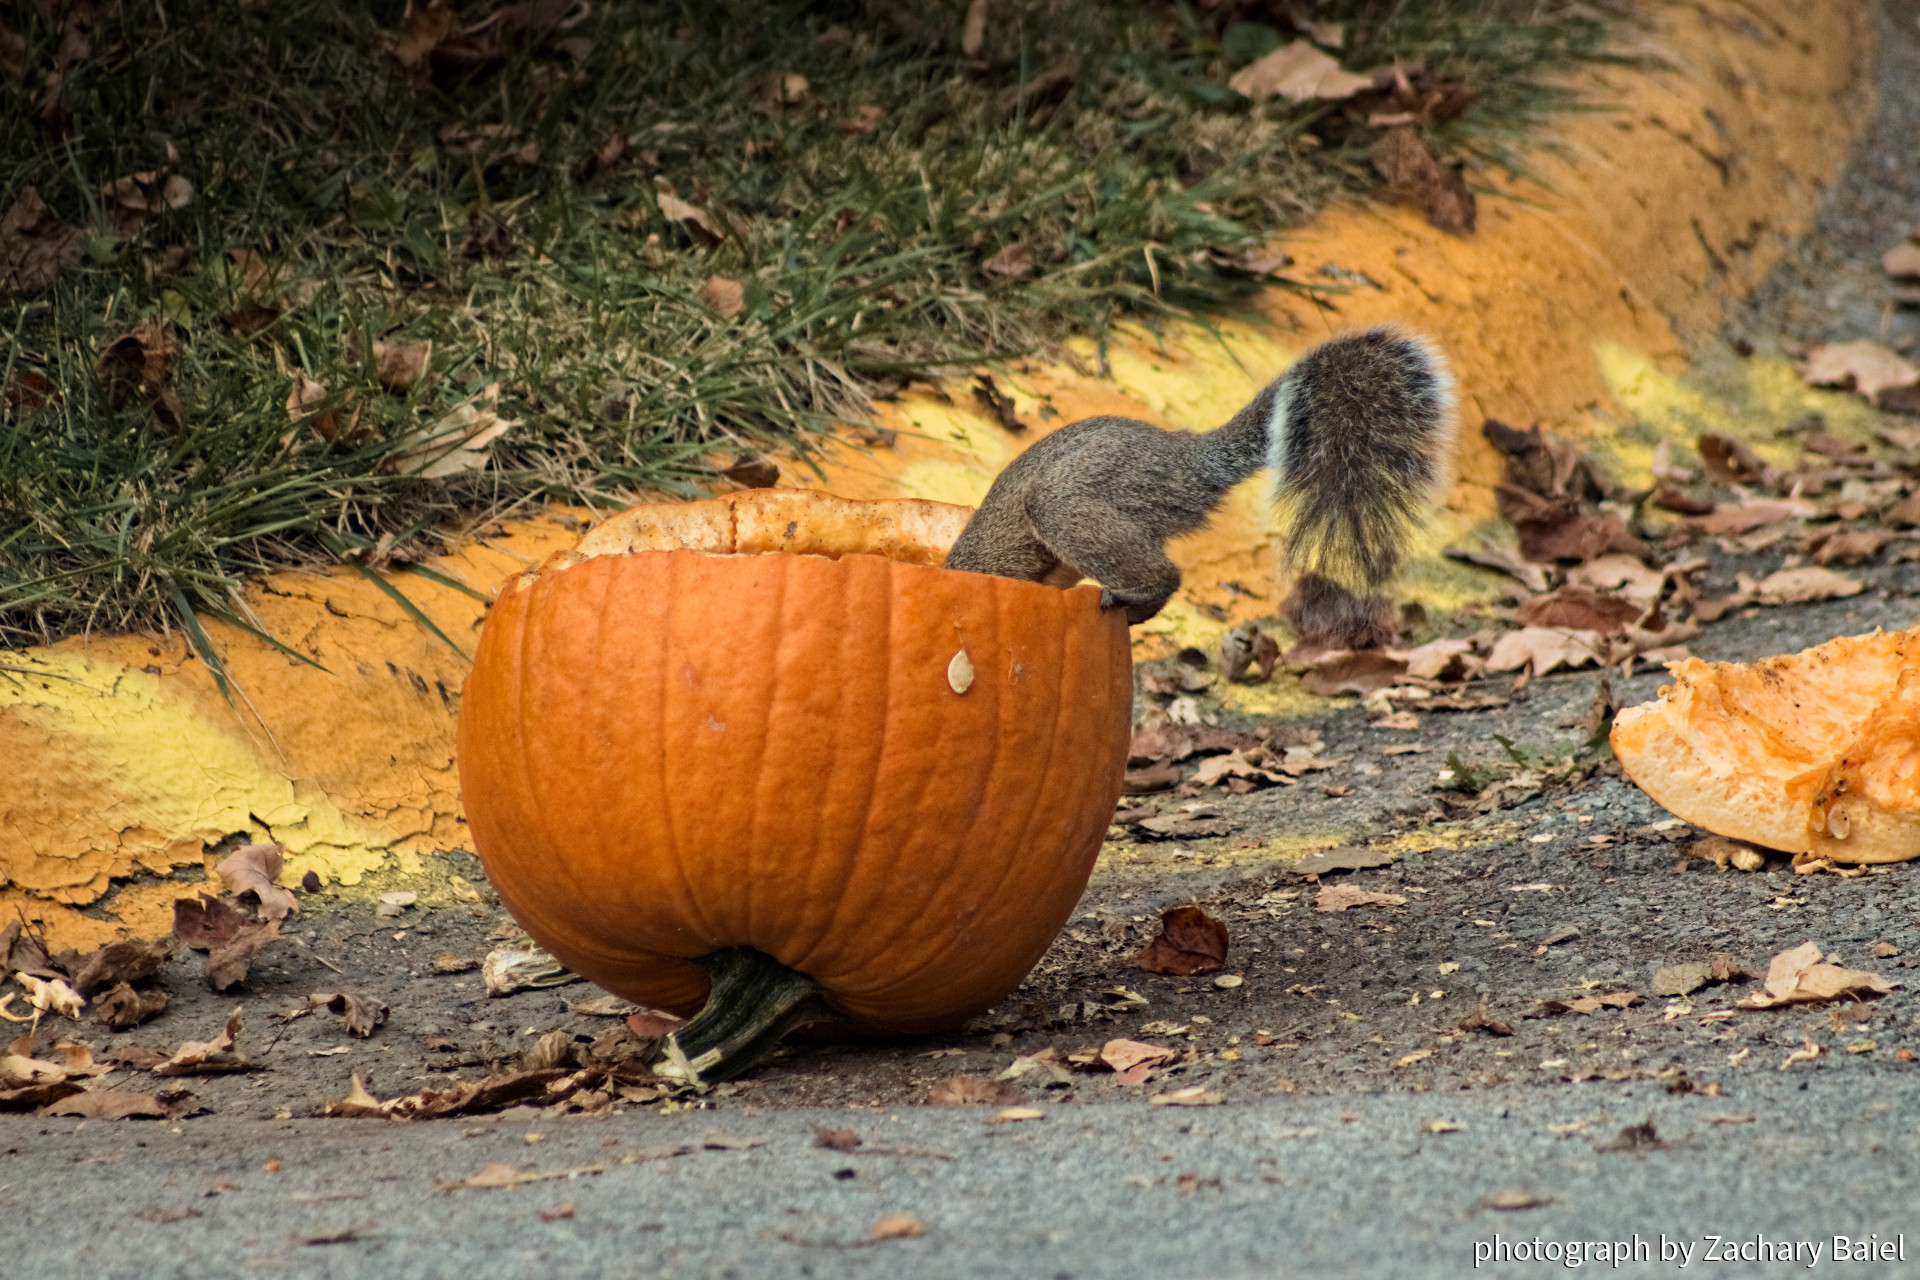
<point x="1763" y="751"/>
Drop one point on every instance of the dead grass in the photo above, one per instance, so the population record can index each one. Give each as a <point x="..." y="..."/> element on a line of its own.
<point x="865" y="182"/>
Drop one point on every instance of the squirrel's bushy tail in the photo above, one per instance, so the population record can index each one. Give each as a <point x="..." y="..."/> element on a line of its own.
<point x="1360" y="440"/>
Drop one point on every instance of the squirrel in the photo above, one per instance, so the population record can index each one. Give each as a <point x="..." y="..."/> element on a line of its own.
<point x="1358" y="432"/>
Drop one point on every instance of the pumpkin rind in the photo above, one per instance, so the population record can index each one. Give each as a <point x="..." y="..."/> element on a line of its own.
<point x="666" y="753"/>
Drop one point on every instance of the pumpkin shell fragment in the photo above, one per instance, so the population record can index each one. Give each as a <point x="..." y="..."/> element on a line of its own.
<point x="1814" y="751"/>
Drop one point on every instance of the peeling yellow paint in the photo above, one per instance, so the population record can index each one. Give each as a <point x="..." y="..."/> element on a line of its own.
<point x="1566" y="307"/>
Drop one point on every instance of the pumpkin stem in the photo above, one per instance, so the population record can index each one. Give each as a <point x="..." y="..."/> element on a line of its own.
<point x="755" y="1000"/>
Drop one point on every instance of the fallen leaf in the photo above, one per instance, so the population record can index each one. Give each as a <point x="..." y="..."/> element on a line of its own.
<point x="1191" y="1096"/>
<point x="119" y="1104"/>
<point x="725" y="298"/>
<point x="1339" y="897"/>
<point x="487" y="237"/>
<point x="1123" y="1055"/>
<point x="400" y="898"/>
<point x="125" y="1007"/>
<point x="1681" y="979"/>
<point x="1247" y="647"/>
<point x="253" y="869"/>
<point x="1012" y="261"/>
<point x="697" y="222"/>
<point x="1799" y="586"/>
<point x="359" y="1102"/>
<point x="899" y="1226"/>
<point x="1545" y="649"/>
<point x="399" y="365"/>
<point x="509" y="969"/>
<point x="1042" y="1062"/>
<point x="1353" y="671"/>
<point x="1855" y="547"/>
<point x="142" y="360"/>
<point x="305" y="397"/>
<point x="1344" y="858"/>
<point x="1498" y="558"/>
<point x="1190" y="942"/>
<point x="734" y="1141"/>
<point x="1440" y="1126"/>
<point x="33" y="245"/>
<point x="1799" y="976"/>
<point x="209" y="1057"/>
<point x="1012" y="1115"/>
<point x="752" y="471"/>
<point x="865" y="119"/>
<point x="228" y="963"/>
<point x="1593" y="1004"/>
<point x="1580" y="608"/>
<point x="1410" y="165"/>
<point x="973" y="34"/>
<point x="1868" y="367"/>
<point x="205" y="923"/>
<point x="1732" y="461"/>
<point x="964" y="1090"/>
<point x="420" y="30"/>
<point x="52" y="995"/>
<point x="362" y="1012"/>
<point x="1297" y="72"/>
<point x="1511" y="1201"/>
<point x="457" y="442"/>
<point x="1402" y="720"/>
<point x="120" y="962"/>
<point x="1807" y="1052"/>
<point x="835" y="1139"/>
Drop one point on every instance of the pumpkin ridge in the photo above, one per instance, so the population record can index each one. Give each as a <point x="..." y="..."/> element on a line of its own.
<point x="1008" y="866"/>
<point x="869" y="785"/>
<point x="691" y="897"/>
<point x="869" y="848"/>
<point x="976" y="804"/>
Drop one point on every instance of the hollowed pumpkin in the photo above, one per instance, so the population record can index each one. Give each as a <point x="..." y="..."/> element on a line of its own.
<point x="768" y="726"/>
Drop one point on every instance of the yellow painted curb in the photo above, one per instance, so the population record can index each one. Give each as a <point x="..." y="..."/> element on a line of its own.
<point x="1567" y="308"/>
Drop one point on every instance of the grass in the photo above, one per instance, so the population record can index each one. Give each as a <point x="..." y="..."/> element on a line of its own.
<point x="460" y="203"/>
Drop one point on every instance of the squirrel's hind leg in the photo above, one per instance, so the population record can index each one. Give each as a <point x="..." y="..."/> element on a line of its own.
<point x="1130" y="564"/>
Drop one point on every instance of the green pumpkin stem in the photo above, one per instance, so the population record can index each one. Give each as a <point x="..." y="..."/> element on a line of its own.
<point x="755" y="1000"/>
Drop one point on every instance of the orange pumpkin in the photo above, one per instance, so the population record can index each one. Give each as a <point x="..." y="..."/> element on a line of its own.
<point x="770" y="740"/>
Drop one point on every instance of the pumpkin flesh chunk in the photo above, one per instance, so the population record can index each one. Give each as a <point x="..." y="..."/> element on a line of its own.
<point x="1760" y="752"/>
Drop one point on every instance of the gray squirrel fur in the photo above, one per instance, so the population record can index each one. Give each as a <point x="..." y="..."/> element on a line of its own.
<point x="1358" y="433"/>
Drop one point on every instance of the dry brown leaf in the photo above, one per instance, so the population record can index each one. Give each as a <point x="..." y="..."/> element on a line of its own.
<point x="899" y="1226"/>
<point x="1799" y="976"/>
<point x="1012" y="261"/>
<point x="835" y="1139"/>
<point x="421" y="30"/>
<point x="1246" y="647"/>
<point x="1190" y="942"/>
<point x="1799" y="586"/>
<point x="1353" y="671"/>
<point x="1339" y="897"/>
<point x="1580" y="608"/>
<point x="358" y="1102"/>
<point x="142" y="360"/>
<point x="963" y="1090"/>
<point x="1297" y="72"/>
<point x="725" y="298"/>
<point x="752" y="471"/>
<point x="1545" y="649"/>
<point x="120" y="962"/>
<point x="362" y="1012"/>
<point x="1192" y="1096"/>
<point x="1868" y="367"/>
<point x="865" y="119"/>
<point x="204" y="923"/>
<point x="33" y="245"/>
<point x="700" y="224"/>
<point x="229" y="962"/>
<point x="1855" y="547"/>
<point x="1121" y="1055"/>
<point x="458" y="442"/>
<point x="1410" y="165"/>
<point x="125" y="1007"/>
<point x="253" y="868"/>
<point x="399" y="365"/>
<point x="1344" y="858"/>
<point x="120" y="1104"/>
<point x="210" y="1057"/>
